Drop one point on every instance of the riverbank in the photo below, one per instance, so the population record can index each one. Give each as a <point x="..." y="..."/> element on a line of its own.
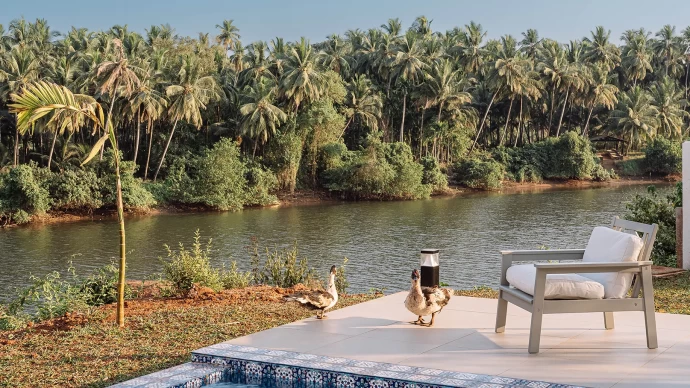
<point x="89" y="350"/>
<point x="315" y="197"/>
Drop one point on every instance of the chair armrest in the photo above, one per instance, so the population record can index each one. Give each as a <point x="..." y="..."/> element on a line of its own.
<point x="507" y="257"/>
<point x="554" y="268"/>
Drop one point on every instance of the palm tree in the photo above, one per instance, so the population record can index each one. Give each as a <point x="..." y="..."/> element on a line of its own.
<point x="408" y="67"/>
<point x="599" y="93"/>
<point x="469" y="48"/>
<point x="363" y="103"/>
<point x="552" y="66"/>
<point x="20" y="68"/>
<point x="392" y="27"/>
<point x="530" y="43"/>
<point x="189" y="95"/>
<point x="665" y="47"/>
<point x="302" y="79"/>
<point x="148" y="105"/>
<point x="668" y="99"/>
<point x="334" y="55"/>
<point x="637" y="59"/>
<point x="38" y="100"/>
<point x="259" y="114"/>
<point x="600" y="51"/>
<point x="573" y="79"/>
<point x="635" y="116"/>
<point x="229" y="35"/>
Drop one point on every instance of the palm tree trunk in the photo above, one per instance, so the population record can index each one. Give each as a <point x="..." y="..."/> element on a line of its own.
<point x="16" y="145"/>
<point x="402" y="122"/>
<point x="687" y="73"/>
<point x="520" y="130"/>
<point x="421" y="132"/>
<point x="123" y="260"/>
<point x="165" y="151"/>
<point x="481" y="126"/>
<point x="584" y="132"/>
<point x="256" y="141"/>
<point x="346" y="125"/>
<point x="505" y="127"/>
<point x="52" y="147"/>
<point x="560" y="121"/>
<point x="553" y="98"/>
<point x="136" y="141"/>
<point x="148" y="154"/>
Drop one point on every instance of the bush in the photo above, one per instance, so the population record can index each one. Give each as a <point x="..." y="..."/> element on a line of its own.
<point x="663" y="157"/>
<point x="184" y="268"/>
<point x="261" y="182"/>
<point x="22" y="195"/>
<point x="101" y="287"/>
<point x="134" y="194"/>
<point x="433" y="176"/>
<point x="476" y="173"/>
<point x="279" y="267"/>
<point x="234" y="278"/>
<point x="341" y="283"/>
<point x="600" y="174"/>
<point x="75" y="190"/>
<point x="631" y="167"/>
<point x="652" y="208"/>
<point x="382" y="170"/>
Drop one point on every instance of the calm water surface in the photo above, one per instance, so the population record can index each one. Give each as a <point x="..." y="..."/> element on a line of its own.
<point x="381" y="239"/>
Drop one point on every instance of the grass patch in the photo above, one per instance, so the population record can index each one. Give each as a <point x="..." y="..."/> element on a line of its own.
<point x="671" y="295"/>
<point x="90" y="351"/>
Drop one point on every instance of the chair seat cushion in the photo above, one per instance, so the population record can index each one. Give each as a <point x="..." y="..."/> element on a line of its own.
<point x="558" y="286"/>
<point x="611" y="246"/>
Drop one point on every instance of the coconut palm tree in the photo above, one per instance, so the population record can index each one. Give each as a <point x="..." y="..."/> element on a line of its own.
<point x="408" y="67"/>
<point x="66" y="110"/>
<point x="666" y="46"/>
<point x="393" y="27"/>
<point x="259" y="114"/>
<point x="334" y="55"/>
<point x="637" y="59"/>
<point x="363" y="103"/>
<point x="302" y="79"/>
<point x="229" y="35"/>
<point x="20" y="68"/>
<point x="668" y="99"/>
<point x="189" y="95"/>
<point x="635" y="117"/>
<point x="469" y="48"/>
<point x="599" y="50"/>
<point x="599" y="93"/>
<point x="147" y="105"/>
<point x="530" y="43"/>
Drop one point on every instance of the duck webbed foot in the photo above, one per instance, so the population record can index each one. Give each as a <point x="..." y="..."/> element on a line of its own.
<point x="431" y="323"/>
<point x="419" y="321"/>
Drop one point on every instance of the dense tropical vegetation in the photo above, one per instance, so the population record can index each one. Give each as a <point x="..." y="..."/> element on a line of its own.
<point x="382" y="113"/>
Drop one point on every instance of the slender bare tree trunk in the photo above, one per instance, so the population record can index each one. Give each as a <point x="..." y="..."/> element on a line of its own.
<point x="346" y="125"/>
<point x="553" y="98"/>
<point x="520" y="129"/>
<point x="52" y="147"/>
<point x="421" y="132"/>
<point x="148" y="154"/>
<point x="16" y="145"/>
<point x="136" y="142"/>
<point x="165" y="151"/>
<point x="584" y="131"/>
<point x="481" y="126"/>
<point x="402" y="122"/>
<point x="560" y="121"/>
<point x="505" y="127"/>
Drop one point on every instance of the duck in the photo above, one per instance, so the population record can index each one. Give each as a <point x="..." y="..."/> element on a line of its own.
<point x="422" y="301"/>
<point x="318" y="300"/>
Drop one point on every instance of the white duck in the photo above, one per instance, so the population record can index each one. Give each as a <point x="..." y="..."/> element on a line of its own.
<point x="318" y="299"/>
<point x="423" y="301"/>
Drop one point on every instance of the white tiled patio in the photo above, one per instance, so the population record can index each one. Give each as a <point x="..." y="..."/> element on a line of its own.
<point x="575" y="348"/>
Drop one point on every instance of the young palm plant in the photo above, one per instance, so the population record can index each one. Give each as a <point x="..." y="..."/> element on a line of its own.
<point x="67" y="110"/>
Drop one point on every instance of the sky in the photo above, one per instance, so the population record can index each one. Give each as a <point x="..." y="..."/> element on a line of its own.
<point x="316" y="19"/>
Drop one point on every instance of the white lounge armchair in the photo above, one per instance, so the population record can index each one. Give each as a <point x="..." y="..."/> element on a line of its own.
<point x="615" y="260"/>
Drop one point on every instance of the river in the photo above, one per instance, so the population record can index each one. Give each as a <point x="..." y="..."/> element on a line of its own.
<point x="381" y="239"/>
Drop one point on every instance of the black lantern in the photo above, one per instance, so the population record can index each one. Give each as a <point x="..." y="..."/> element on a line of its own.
<point x="429" y="263"/>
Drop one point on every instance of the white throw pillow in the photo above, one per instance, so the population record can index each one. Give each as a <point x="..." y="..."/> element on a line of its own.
<point x="558" y="286"/>
<point x="610" y="246"/>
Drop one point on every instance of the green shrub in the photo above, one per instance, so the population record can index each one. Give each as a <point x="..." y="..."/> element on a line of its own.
<point x="184" y="268"/>
<point x="134" y="194"/>
<point x="382" y="170"/>
<point x="22" y="195"/>
<point x="478" y="174"/>
<point x="261" y="183"/>
<point x="279" y="267"/>
<point x="600" y="174"/>
<point x="341" y="283"/>
<point x="75" y="190"/>
<point x="433" y="176"/>
<point x="631" y="167"/>
<point x="663" y="157"/>
<point x="234" y="278"/>
<point x="101" y="286"/>
<point x="652" y="208"/>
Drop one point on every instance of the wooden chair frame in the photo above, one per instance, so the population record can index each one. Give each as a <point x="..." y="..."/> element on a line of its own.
<point x="538" y="306"/>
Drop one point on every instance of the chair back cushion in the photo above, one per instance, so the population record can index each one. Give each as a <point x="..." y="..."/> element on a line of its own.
<point x="558" y="286"/>
<point x="610" y="246"/>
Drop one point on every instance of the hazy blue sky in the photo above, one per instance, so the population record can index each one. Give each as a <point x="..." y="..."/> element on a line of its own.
<point x="315" y="19"/>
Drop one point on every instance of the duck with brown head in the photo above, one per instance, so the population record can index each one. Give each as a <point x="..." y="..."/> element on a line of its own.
<point x="423" y="301"/>
<point x="319" y="300"/>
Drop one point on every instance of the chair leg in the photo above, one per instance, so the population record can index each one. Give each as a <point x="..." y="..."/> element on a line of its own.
<point x="648" y="300"/>
<point x="501" y="313"/>
<point x="537" y="312"/>
<point x="608" y="320"/>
